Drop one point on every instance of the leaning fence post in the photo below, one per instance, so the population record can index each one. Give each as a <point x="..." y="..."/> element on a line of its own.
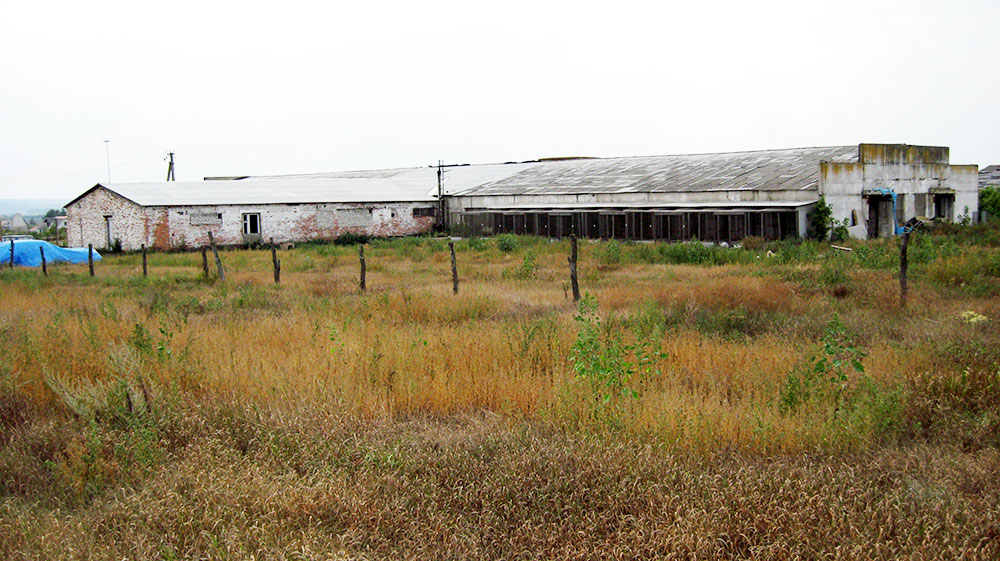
<point x="276" y="263"/>
<point x="204" y="261"/>
<point x="90" y="258"/>
<point x="572" y="268"/>
<point x="45" y="270"/>
<point x="454" y="268"/>
<point x="215" y="253"/>
<point x="145" y="270"/>
<point x="364" y="268"/>
<point x="902" y="267"/>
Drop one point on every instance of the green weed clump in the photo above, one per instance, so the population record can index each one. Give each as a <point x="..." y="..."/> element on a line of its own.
<point x="352" y="239"/>
<point x="688" y="253"/>
<point x="611" y="368"/>
<point x="609" y="254"/>
<point x="527" y="269"/>
<point x="850" y="406"/>
<point x="476" y="244"/>
<point x="507" y="243"/>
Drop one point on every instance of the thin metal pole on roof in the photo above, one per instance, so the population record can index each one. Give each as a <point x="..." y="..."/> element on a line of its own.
<point x="170" y="167"/>
<point x="107" y="154"/>
<point x="441" y="206"/>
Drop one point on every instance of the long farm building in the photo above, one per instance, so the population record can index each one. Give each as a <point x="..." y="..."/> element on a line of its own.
<point x="720" y="197"/>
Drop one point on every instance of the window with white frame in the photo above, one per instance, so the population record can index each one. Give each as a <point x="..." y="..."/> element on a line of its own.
<point x="251" y="223"/>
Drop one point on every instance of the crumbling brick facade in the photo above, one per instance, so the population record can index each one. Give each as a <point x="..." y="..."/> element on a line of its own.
<point x="100" y="217"/>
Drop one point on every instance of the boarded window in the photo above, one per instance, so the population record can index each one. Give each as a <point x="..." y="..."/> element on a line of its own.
<point x="419" y="212"/>
<point x="354" y="218"/>
<point x="326" y="219"/>
<point x="206" y="218"/>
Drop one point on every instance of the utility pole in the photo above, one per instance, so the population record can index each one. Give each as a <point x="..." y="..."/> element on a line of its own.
<point x="440" y="176"/>
<point x="441" y="204"/>
<point x="170" y="167"/>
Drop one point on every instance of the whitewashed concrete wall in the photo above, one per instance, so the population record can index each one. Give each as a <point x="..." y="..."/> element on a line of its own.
<point x="461" y="203"/>
<point x="287" y="222"/>
<point x="179" y="227"/>
<point x="914" y="173"/>
<point x="965" y="180"/>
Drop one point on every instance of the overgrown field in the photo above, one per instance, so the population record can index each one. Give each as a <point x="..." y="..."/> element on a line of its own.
<point x="767" y="402"/>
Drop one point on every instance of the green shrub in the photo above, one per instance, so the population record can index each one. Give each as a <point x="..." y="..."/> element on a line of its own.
<point x="989" y="201"/>
<point x="839" y="232"/>
<point x="819" y="220"/>
<point x="833" y="380"/>
<point x="507" y="243"/>
<point x="526" y="270"/>
<point x="476" y="244"/>
<point x="610" y="254"/>
<point x="601" y="358"/>
<point x="351" y="238"/>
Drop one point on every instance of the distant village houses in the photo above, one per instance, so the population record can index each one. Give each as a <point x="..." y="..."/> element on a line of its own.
<point x="15" y="223"/>
<point x="722" y="197"/>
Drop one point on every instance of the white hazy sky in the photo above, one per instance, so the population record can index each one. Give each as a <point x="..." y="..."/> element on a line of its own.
<point x="295" y="87"/>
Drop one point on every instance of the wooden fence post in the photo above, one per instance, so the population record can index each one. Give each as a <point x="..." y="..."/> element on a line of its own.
<point x="145" y="269"/>
<point x="572" y="268"/>
<point x="276" y="263"/>
<point x="204" y="260"/>
<point x="90" y="258"/>
<point x="215" y="253"/>
<point x="903" y="264"/>
<point x="45" y="269"/>
<point x="11" y="264"/>
<point x="454" y="268"/>
<point x="361" y="256"/>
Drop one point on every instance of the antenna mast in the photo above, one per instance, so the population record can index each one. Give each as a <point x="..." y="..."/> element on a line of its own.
<point x="170" y="167"/>
<point x="441" y="206"/>
<point x="107" y="154"/>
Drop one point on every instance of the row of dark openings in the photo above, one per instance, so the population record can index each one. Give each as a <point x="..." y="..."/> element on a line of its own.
<point x="716" y="226"/>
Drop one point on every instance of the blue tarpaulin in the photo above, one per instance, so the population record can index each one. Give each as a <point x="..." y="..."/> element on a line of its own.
<point x="26" y="253"/>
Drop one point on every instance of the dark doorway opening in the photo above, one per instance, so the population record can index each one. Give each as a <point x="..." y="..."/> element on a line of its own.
<point x="880" y="218"/>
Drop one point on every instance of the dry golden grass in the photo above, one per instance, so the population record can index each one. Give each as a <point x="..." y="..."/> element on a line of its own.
<point x="410" y="423"/>
<point x="299" y="484"/>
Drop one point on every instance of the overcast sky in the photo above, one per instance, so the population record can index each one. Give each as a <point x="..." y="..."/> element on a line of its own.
<point x="248" y="87"/>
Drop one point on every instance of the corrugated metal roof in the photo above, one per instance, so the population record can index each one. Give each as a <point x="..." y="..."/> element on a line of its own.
<point x="381" y="185"/>
<point x="771" y="170"/>
<point x="989" y="175"/>
<point x="456" y="177"/>
<point x="259" y="191"/>
<point x="767" y="170"/>
<point x="650" y="205"/>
